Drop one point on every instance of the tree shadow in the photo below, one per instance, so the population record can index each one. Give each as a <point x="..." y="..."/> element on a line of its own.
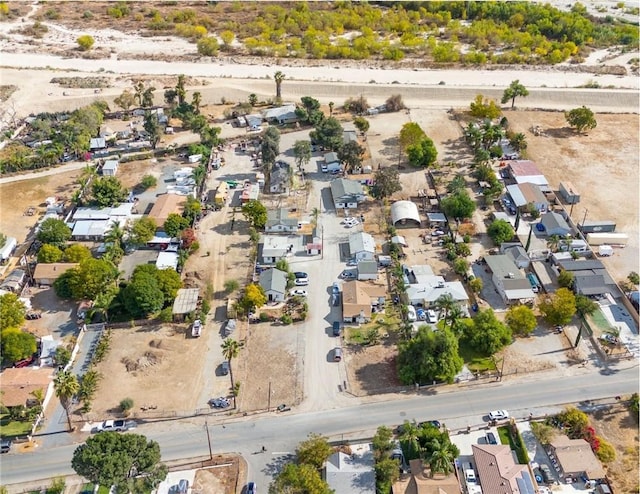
<point x="391" y="147"/>
<point x="561" y="132"/>
<point x="276" y="464"/>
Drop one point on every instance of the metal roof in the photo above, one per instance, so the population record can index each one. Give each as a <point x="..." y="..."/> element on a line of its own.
<point x="404" y="210"/>
<point x="186" y="300"/>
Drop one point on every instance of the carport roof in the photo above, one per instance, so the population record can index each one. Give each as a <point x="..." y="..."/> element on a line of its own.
<point x="186" y="301"/>
<point x="437" y="217"/>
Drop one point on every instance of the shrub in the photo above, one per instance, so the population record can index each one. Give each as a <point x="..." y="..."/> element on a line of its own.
<point x="286" y="319"/>
<point x="606" y="453"/>
<point x="126" y="405"/>
<point x="87" y="14"/>
<point x="165" y="315"/>
<point x="208" y="46"/>
<point x="85" y="42"/>
<point x="148" y="181"/>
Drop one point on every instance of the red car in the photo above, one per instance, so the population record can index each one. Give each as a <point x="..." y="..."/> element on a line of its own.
<point x="24" y="362"/>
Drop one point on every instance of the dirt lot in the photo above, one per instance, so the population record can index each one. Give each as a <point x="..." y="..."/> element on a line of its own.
<point x="142" y="361"/>
<point x="224" y="478"/>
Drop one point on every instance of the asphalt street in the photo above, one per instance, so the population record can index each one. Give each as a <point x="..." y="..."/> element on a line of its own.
<point x="281" y="433"/>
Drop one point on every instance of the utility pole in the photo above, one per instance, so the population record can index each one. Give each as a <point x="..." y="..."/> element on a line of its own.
<point x="206" y="426"/>
<point x="269" y="398"/>
<point x="584" y="219"/>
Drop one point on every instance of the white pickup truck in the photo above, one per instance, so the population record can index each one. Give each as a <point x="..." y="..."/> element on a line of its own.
<point x="196" y="329"/>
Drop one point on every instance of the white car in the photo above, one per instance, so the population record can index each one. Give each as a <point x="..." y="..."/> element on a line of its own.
<point x="498" y="415"/>
<point x="432" y="318"/>
<point x="411" y="313"/>
<point x="302" y="281"/>
<point x="437" y="233"/>
<point x="118" y="425"/>
<point x="297" y="292"/>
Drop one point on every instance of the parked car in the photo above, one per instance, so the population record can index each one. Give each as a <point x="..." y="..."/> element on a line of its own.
<point x="437" y="233"/>
<point x="224" y="368"/>
<point x="335" y="288"/>
<point x="221" y="402"/>
<point x="300" y="274"/>
<point x="348" y="275"/>
<point x="411" y="313"/>
<point x="119" y="425"/>
<point x="336" y="328"/>
<point x="337" y="354"/>
<point x="491" y="438"/>
<point x="196" y="329"/>
<point x="301" y="281"/>
<point x="498" y="415"/>
<point x="32" y="315"/>
<point x="5" y="445"/>
<point x="432" y="318"/>
<point x="609" y="338"/>
<point x="297" y="292"/>
<point x="251" y="488"/>
<point x="434" y="423"/>
<point x="545" y="473"/>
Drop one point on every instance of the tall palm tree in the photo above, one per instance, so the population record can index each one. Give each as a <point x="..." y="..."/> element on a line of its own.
<point x="138" y="89"/>
<point x="278" y="77"/>
<point x="230" y="350"/>
<point x="66" y="386"/>
<point x="445" y="304"/>
<point x="411" y="435"/>
<point x="315" y="213"/>
<point x="553" y="243"/>
<point x="115" y="235"/>
<point x="196" y="101"/>
<point x="441" y="457"/>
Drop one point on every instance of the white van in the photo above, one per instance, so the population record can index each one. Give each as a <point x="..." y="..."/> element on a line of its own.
<point x="470" y="475"/>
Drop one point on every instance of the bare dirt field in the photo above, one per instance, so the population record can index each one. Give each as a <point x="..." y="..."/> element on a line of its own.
<point x="372" y="369"/>
<point x="224" y="478"/>
<point x="143" y="361"/>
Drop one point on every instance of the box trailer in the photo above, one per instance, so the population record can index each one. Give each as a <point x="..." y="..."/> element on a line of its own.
<point x="569" y="193"/>
<point x="607" y="238"/>
<point x="606" y="226"/>
<point x="605" y="250"/>
<point x="7" y="249"/>
<point x="195" y="158"/>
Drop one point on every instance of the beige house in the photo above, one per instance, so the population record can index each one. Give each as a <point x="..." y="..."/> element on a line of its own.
<point x="46" y="274"/>
<point x="498" y="472"/>
<point x="576" y="458"/>
<point x="359" y="299"/>
<point x="165" y="205"/>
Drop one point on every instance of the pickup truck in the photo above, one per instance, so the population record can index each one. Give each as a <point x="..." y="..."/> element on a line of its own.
<point x="118" y="425"/>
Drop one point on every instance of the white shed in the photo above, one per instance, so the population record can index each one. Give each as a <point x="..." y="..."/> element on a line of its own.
<point x="110" y="168"/>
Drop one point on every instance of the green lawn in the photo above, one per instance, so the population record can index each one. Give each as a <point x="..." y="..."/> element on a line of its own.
<point x="599" y="320"/>
<point x="505" y="438"/>
<point x="475" y="361"/>
<point x="13" y="428"/>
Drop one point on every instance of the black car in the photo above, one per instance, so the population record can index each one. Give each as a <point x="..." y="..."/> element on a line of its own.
<point x="300" y="274"/>
<point x="491" y="438"/>
<point x="336" y="328"/>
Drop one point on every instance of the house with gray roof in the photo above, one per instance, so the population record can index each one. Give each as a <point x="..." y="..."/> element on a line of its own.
<point x="272" y="248"/>
<point x="555" y="224"/>
<point x="528" y="193"/>
<point x="590" y="277"/>
<point x="367" y="270"/>
<point x="332" y="163"/>
<point x="279" y="178"/>
<point x="351" y="474"/>
<point x="281" y="220"/>
<point x="511" y="284"/>
<point x="282" y="114"/>
<point x="274" y="283"/>
<point x="347" y="193"/>
<point x="517" y="254"/>
<point x="424" y="288"/>
<point x="362" y="246"/>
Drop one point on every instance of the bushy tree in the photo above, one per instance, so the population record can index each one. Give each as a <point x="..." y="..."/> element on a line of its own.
<point x="253" y="297"/>
<point x="358" y="105"/>
<point x="310" y="111"/>
<point x="411" y="134"/>
<point x="423" y="154"/>
<point x="85" y="42"/>
<point x="558" y="308"/>
<point x="110" y="458"/>
<point x="394" y="103"/>
<point x="302" y="153"/>
<point x="152" y="126"/>
<point x="585" y="306"/>
<point x="314" y="451"/>
<point x="351" y="154"/>
<point x="126" y="100"/>
<point x="430" y="356"/>
<point x="362" y="124"/>
<point x="168" y="280"/>
<point x="142" y="230"/>
<point x="328" y="133"/>
<point x="192" y="209"/>
<point x="458" y="205"/>
<point x="514" y="90"/>
<point x="16" y="345"/>
<point x="581" y="118"/>
<point x="208" y="46"/>
<point x="49" y="253"/>
<point x="500" y="231"/>
<point x="565" y="279"/>
<point x="143" y="296"/>
<point x="521" y="319"/>
<point x="484" y="108"/>
<point x="53" y="231"/>
<point x="488" y="335"/>
<point x="174" y="224"/>
<point x="87" y="281"/>
<point x="76" y="253"/>
<point x="387" y="182"/>
<point x="256" y="214"/>
<point x="107" y="192"/>
<point x="301" y="478"/>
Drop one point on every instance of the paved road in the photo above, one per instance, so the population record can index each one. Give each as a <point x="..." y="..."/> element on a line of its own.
<point x="281" y="433"/>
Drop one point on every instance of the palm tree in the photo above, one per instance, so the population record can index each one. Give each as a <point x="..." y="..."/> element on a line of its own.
<point x="278" y="77"/>
<point x="553" y="243"/>
<point x="66" y="386"/>
<point x="518" y="142"/>
<point x="315" y="213"/>
<point x="138" y="87"/>
<point x="445" y="304"/>
<point x="115" y="235"/>
<point x="196" y="101"/>
<point x="199" y="174"/>
<point x="331" y="105"/>
<point x="441" y="457"/>
<point x="411" y="435"/>
<point x="230" y="350"/>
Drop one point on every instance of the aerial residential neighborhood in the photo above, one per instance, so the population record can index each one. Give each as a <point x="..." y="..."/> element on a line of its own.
<point x="231" y="263"/>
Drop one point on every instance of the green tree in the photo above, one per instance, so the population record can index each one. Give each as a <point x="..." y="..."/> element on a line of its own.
<point x="430" y="356"/>
<point x="558" y="308"/>
<point x="278" y="77"/>
<point x="62" y="356"/>
<point x="422" y="154"/>
<point x="521" y="320"/>
<point x="148" y="181"/>
<point x="574" y="420"/>
<point x="387" y="182"/>
<point x="606" y="453"/>
<point x="126" y="404"/>
<point x="168" y="280"/>
<point x="174" y="224"/>
<point x="362" y="124"/>
<point x="581" y="118"/>
<point x="147" y="97"/>
<point x="107" y="192"/>
<point x="500" y="231"/>
<point x="53" y="231"/>
<point x="110" y="458"/>
<point x="143" y="296"/>
<point x="441" y="456"/>
<point x="230" y="350"/>
<point x="387" y="472"/>
<point x="302" y="153"/>
<point x="484" y="108"/>
<point x="458" y="205"/>
<point x="310" y="111"/>
<point x="142" y="230"/>
<point x="76" y="253"/>
<point x="634" y="278"/>
<point x="585" y="306"/>
<point x="231" y="286"/>
<point x="66" y="386"/>
<point x="89" y="279"/>
<point x="192" y="209"/>
<point x="58" y="485"/>
<point x="85" y="42"/>
<point x="152" y="127"/>
<point x="565" y="279"/>
<point x="488" y="335"/>
<point x="514" y="90"/>
<point x="16" y="345"/>
<point x="125" y="101"/>
<point x="252" y="99"/>
<point x="382" y="443"/>
<point x="411" y="134"/>
<point x="196" y="100"/>
<point x="253" y="297"/>
<point x="350" y="154"/>
<point x="255" y="213"/>
<point x="49" y="253"/>
<point x="410" y="439"/>
<point x="299" y="479"/>
<point x="553" y="243"/>
<point x="328" y="133"/>
<point x="460" y="266"/>
<point x="314" y="451"/>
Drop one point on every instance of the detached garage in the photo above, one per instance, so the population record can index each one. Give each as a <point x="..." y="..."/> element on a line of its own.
<point x="405" y="213"/>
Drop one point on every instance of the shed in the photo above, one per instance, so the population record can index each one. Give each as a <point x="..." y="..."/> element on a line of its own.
<point x="48" y="349"/>
<point x="517" y="254"/>
<point x="167" y="260"/>
<point x="110" y="168"/>
<point x="367" y="270"/>
<point x="97" y="143"/>
<point x="405" y="213"/>
<point x="46" y="274"/>
<point x="185" y="303"/>
<point x="555" y="224"/>
<point x="436" y="219"/>
<point x="14" y="281"/>
<point x="569" y="193"/>
<point x="399" y="240"/>
<point x="7" y="249"/>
